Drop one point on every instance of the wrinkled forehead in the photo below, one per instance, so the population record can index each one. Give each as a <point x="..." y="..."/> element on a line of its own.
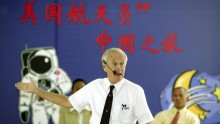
<point x="116" y="56"/>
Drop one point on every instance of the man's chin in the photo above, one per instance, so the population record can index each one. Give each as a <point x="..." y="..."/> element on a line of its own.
<point x="179" y="106"/>
<point x="118" y="78"/>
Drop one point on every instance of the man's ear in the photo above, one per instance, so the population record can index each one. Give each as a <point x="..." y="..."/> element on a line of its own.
<point x="104" y="66"/>
<point x="187" y="98"/>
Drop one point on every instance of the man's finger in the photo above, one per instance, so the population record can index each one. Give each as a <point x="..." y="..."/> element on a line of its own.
<point x="19" y="85"/>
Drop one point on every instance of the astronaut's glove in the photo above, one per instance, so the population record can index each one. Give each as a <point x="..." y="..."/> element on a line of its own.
<point x="56" y="90"/>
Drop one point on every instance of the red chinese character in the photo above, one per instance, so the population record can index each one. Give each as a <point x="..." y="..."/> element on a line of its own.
<point x="29" y="13"/>
<point x="77" y="14"/>
<point x="149" y="40"/>
<point x="126" y="42"/>
<point x="125" y="14"/>
<point x="103" y="40"/>
<point x="169" y="45"/>
<point x="101" y="14"/>
<point x="53" y="12"/>
<point x="141" y="6"/>
<point x="146" y="7"/>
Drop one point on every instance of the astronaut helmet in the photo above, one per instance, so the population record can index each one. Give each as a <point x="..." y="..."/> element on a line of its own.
<point x="39" y="61"/>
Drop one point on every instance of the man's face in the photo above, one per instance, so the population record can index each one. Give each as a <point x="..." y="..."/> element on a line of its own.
<point x="116" y="62"/>
<point x="77" y="86"/>
<point x="179" y="98"/>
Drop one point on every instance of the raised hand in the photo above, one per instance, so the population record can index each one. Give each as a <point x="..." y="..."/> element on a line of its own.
<point x="29" y="87"/>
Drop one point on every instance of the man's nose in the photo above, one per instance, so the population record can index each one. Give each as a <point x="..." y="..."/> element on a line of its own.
<point x="118" y="68"/>
<point x="178" y="98"/>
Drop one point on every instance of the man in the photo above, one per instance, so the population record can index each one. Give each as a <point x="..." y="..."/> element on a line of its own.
<point x="127" y="105"/>
<point x="179" y="114"/>
<point x="70" y="115"/>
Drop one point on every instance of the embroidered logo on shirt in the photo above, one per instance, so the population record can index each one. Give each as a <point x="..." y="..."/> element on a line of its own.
<point x="124" y="107"/>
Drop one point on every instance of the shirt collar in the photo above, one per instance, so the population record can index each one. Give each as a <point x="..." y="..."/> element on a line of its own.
<point x="117" y="85"/>
<point x="180" y="111"/>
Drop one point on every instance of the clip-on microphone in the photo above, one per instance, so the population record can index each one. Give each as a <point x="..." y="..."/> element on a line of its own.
<point x="114" y="72"/>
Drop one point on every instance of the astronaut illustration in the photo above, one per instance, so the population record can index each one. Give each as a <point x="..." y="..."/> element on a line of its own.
<point x="42" y="65"/>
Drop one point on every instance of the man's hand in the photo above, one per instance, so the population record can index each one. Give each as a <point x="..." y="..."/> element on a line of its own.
<point x="29" y="87"/>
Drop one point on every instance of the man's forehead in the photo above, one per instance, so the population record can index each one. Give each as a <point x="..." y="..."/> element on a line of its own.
<point x="179" y="91"/>
<point x="79" y="83"/>
<point x="115" y="54"/>
<point x="112" y="59"/>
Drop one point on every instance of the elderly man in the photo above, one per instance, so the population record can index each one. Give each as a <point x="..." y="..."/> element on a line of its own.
<point x="113" y="100"/>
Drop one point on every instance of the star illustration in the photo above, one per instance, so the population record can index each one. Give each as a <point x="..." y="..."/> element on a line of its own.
<point x="217" y="92"/>
<point x="202" y="81"/>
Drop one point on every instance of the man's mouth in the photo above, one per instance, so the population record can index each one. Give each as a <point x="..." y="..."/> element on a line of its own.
<point x="118" y="74"/>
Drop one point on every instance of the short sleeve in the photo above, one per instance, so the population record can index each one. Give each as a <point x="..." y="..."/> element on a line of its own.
<point x="80" y="99"/>
<point x="141" y="108"/>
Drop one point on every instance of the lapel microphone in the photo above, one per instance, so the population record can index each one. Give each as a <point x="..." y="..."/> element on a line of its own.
<point x="114" y="72"/>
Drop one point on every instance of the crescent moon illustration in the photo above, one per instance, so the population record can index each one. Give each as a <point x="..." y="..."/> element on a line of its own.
<point x="184" y="80"/>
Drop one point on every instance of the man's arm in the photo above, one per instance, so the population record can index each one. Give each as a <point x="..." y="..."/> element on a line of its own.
<point x="52" y="97"/>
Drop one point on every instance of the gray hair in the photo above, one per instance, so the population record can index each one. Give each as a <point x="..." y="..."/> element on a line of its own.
<point x="106" y="53"/>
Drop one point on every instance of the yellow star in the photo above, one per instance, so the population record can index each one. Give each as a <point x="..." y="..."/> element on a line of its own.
<point x="202" y="81"/>
<point x="202" y="116"/>
<point x="217" y="92"/>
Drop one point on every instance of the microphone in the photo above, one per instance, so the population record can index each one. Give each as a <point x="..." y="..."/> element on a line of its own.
<point x="114" y="72"/>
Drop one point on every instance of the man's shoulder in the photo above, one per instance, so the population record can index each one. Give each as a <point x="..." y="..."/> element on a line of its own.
<point x="162" y="114"/>
<point x="131" y="84"/>
<point x="166" y="111"/>
<point x="96" y="81"/>
<point x="193" y="116"/>
<point x="132" y="88"/>
<point x="191" y="113"/>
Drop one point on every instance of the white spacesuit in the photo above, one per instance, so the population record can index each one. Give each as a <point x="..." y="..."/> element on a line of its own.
<point x="42" y="65"/>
